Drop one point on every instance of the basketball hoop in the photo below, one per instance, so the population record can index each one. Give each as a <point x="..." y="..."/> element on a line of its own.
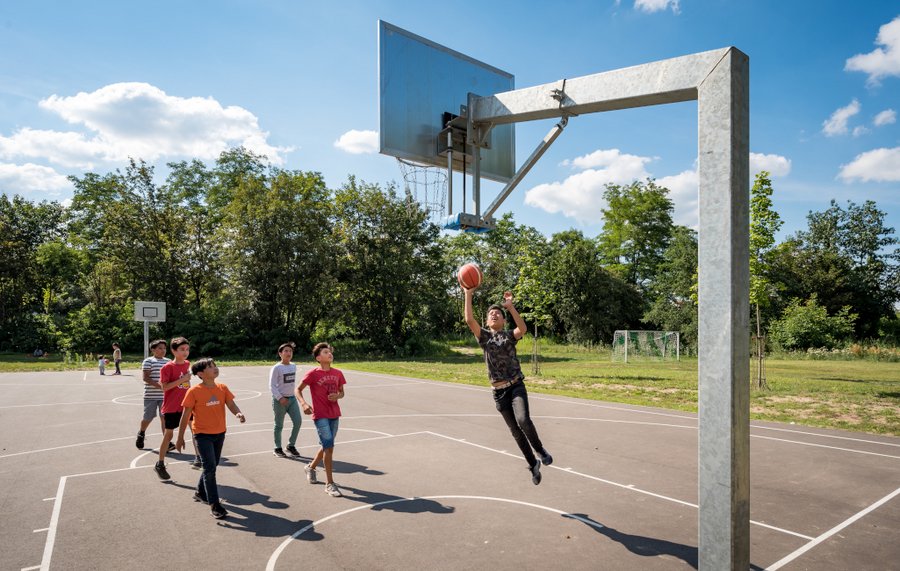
<point x="427" y="185"/>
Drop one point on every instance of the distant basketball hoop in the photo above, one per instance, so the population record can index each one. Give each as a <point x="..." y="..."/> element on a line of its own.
<point x="427" y="185"/>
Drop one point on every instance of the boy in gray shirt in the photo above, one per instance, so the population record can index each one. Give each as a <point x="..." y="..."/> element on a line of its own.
<point x="281" y="384"/>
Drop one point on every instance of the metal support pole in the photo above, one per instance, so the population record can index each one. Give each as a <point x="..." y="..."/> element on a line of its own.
<point x="450" y="173"/>
<point x="146" y="339"/>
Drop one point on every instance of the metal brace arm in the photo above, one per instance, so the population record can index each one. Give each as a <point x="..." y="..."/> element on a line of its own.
<point x="542" y="147"/>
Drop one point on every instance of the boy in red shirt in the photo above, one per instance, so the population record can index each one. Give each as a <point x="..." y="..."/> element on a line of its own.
<point x="175" y="379"/>
<point x="326" y="387"/>
<point x="204" y="406"/>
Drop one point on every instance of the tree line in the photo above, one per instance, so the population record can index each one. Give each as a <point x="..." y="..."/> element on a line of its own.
<point x="246" y="255"/>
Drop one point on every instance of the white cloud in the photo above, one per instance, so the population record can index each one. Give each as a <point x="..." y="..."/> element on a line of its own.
<point x="886" y="117"/>
<point x="358" y="142"/>
<point x="21" y="179"/>
<point x="880" y="165"/>
<point x="837" y="123"/>
<point x="139" y="120"/>
<point x="775" y="164"/>
<point x="860" y="130"/>
<point x="880" y="62"/>
<point x="651" y="6"/>
<point x="580" y="196"/>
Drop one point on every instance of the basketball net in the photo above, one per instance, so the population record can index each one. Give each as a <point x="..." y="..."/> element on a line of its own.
<point x="427" y="185"/>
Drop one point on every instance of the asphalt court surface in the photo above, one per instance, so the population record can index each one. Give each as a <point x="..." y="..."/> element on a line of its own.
<point x="432" y="480"/>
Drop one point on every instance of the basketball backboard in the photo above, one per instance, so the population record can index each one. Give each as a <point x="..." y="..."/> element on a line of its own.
<point x="150" y="311"/>
<point x="419" y="81"/>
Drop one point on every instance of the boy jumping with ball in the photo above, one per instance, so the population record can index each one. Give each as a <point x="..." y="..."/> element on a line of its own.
<point x="507" y="379"/>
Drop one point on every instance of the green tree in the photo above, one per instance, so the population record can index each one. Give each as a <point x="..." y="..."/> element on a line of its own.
<point x="674" y="307"/>
<point x="637" y="229"/>
<point x="764" y="224"/>
<point x="808" y="325"/>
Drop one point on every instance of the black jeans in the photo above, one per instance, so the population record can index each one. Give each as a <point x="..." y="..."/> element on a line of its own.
<point x="512" y="402"/>
<point x="210" y="448"/>
<point x="118" y="370"/>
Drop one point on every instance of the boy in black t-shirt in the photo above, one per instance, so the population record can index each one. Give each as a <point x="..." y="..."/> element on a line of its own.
<point x="506" y="377"/>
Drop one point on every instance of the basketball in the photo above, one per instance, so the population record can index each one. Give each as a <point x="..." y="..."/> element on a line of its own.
<point x="469" y="276"/>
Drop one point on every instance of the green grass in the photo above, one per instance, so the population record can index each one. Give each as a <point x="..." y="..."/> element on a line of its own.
<point x="861" y="395"/>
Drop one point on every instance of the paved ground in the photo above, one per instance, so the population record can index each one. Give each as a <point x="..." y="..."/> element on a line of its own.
<point x="432" y="479"/>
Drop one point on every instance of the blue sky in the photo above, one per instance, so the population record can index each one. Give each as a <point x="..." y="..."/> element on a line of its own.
<point x="84" y="85"/>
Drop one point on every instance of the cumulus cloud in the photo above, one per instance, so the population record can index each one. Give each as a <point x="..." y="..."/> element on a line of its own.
<point x="883" y="61"/>
<point x="358" y="142"/>
<point x="775" y="164"/>
<point x="650" y="6"/>
<point x="139" y="120"/>
<point x="580" y="196"/>
<point x="880" y="165"/>
<point x="31" y="178"/>
<point x="837" y="123"/>
<point x="886" y="117"/>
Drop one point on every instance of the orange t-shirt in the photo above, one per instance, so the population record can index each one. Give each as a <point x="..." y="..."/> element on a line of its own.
<point x="208" y="404"/>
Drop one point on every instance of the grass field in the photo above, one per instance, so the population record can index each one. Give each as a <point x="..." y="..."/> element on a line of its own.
<point x="860" y="395"/>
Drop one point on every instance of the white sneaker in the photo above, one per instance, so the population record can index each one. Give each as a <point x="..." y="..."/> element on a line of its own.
<point x="332" y="490"/>
<point x="311" y="475"/>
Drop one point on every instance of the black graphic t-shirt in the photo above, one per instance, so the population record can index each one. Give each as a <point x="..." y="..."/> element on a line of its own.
<point x="500" y="355"/>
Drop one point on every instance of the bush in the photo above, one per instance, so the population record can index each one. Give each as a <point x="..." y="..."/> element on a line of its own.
<point x="807" y="325"/>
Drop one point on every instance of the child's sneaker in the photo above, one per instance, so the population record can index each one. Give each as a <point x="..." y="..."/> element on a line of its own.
<point x="217" y="511"/>
<point x="292" y="450"/>
<point x="546" y="458"/>
<point x="332" y="490"/>
<point x="279" y="452"/>
<point x="161" y="471"/>
<point x="197" y="464"/>
<point x="139" y="441"/>
<point x="536" y="473"/>
<point x="171" y="447"/>
<point x="311" y="475"/>
<point x="199" y="498"/>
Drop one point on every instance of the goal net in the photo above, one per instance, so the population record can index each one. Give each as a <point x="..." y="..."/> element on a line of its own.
<point x="645" y="345"/>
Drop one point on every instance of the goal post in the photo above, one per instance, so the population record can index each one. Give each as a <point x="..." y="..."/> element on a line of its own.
<point x="649" y="345"/>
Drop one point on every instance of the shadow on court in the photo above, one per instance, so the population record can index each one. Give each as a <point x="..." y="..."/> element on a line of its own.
<point x="339" y="467"/>
<point x="380" y="501"/>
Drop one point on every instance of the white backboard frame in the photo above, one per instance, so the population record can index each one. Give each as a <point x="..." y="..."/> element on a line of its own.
<point x="152" y="311"/>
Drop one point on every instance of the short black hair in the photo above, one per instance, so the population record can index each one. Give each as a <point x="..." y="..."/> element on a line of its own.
<point x="201" y="365"/>
<point x="319" y="346"/>
<point x="178" y="342"/>
<point x="498" y="308"/>
<point x="290" y="344"/>
<point x="157" y="342"/>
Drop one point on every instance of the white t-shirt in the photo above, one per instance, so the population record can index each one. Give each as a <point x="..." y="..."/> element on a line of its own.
<point x="281" y="380"/>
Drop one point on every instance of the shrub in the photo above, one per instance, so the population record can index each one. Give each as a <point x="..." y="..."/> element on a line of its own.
<point x="808" y="325"/>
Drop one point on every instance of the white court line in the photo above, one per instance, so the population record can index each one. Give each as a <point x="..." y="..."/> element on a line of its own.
<point x="41" y="530"/>
<point x="538" y="396"/>
<point x="31" y="568"/>
<point x="55" y="404"/>
<point x="54" y="522"/>
<point x="791" y="556"/>
<point x="813" y="444"/>
<point x="629" y="487"/>
<point x="48" y="499"/>
<point x="277" y="553"/>
<point x="84" y="378"/>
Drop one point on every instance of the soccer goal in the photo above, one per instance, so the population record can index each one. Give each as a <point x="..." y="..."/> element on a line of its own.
<point x="640" y="344"/>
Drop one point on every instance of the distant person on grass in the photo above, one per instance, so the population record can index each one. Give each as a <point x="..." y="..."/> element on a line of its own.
<point x="204" y="406"/>
<point x="281" y="384"/>
<point x="153" y="393"/>
<point x="326" y="387"/>
<point x="175" y="380"/>
<point x="117" y="358"/>
<point x="507" y="379"/>
<point x="101" y="363"/>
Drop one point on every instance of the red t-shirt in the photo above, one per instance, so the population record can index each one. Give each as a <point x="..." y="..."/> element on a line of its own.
<point x="208" y="404"/>
<point x="172" y="398"/>
<point x="321" y="384"/>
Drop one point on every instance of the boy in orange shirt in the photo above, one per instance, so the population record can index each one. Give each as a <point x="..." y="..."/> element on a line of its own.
<point x="207" y="402"/>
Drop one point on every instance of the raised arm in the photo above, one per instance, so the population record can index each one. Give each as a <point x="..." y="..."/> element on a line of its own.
<point x="521" y="328"/>
<point x="474" y="327"/>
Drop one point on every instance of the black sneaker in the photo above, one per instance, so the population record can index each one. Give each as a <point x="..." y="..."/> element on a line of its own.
<point x="161" y="471"/>
<point x="536" y="473"/>
<point x="546" y="458"/>
<point x="197" y="464"/>
<point x="279" y="452"/>
<point x="139" y="441"/>
<point x="199" y="498"/>
<point x="218" y="511"/>
<point x="293" y="451"/>
<point x="171" y="447"/>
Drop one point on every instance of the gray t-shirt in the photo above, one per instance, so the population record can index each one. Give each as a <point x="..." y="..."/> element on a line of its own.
<point x="500" y="355"/>
<point x="281" y="380"/>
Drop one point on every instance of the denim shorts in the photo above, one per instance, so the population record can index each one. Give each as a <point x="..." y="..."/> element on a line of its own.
<point x="327" y="429"/>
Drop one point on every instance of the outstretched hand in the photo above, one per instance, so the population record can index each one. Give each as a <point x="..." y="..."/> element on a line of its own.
<point x="507" y="299"/>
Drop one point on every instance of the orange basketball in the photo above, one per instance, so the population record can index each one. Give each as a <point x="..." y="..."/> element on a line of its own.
<point x="469" y="276"/>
